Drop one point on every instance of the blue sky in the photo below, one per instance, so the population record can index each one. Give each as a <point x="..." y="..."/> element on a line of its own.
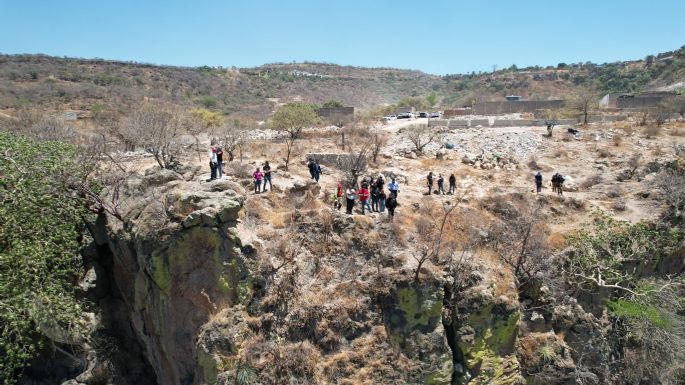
<point x="438" y="37"/>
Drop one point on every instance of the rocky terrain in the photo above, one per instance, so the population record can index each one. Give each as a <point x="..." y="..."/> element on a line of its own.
<point x="205" y="282"/>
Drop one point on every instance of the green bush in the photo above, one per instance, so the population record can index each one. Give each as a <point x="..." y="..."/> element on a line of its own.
<point x="630" y="309"/>
<point x="39" y="242"/>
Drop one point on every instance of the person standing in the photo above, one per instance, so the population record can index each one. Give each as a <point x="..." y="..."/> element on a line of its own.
<point x="350" y="194"/>
<point x="380" y="182"/>
<point x="317" y="171"/>
<point x="257" y="175"/>
<point x="429" y="182"/>
<point x="381" y="201"/>
<point x="453" y="184"/>
<point x="441" y="184"/>
<point x="560" y="184"/>
<point x="538" y="182"/>
<point x="393" y="187"/>
<point x="310" y="165"/>
<point x="339" y="195"/>
<point x="267" y="176"/>
<point x="391" y="203"/>
<point x="555" y="181"/>
<point x="212" y="163"/>
<point x="219" y="163"/>
<point x="364" y="198"/>
<point x="374" y="197"/>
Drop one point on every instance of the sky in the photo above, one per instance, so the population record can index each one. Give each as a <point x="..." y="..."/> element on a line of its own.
<point x="438" y="37"/>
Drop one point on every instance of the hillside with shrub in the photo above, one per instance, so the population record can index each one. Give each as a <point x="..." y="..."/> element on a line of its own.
<point x="94" y="85"/>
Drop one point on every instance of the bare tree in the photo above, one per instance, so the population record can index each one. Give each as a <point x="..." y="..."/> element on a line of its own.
<point x="198" y="121"/>
<point x="378" y="140"/>
<point x="38" y="125"/>
<point x="156" y="129"/>
<point x="354" y="163"/>
<point x="436" y="234"/>
<point x="422" y="135"/>
<point x="291" y="119"/>
<point x="232" y="137"/>
<point x="520" y="241"/>
<point x="672" y="185"/>
<point x="584" y="100"/>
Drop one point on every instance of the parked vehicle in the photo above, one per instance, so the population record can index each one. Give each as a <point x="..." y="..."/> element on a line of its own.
<point x="389" y="118"/>
<point x="435" y="114"/>
<point x="423" y="114"/>
<point x="404" y="115"/>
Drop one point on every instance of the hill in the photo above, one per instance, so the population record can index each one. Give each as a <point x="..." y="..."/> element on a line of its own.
<point x="60" y="84"/>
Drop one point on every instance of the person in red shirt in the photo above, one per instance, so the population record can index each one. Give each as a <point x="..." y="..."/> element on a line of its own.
<point x="364" y="198"/>
<point x="339" y="195"/>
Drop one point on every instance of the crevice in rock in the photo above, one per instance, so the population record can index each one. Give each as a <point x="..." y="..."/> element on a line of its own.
<point x="115" y="339"/>
<point x="450" y="323"/>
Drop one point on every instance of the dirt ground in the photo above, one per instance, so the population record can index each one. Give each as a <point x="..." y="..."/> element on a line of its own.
<point x="600" y="151"/>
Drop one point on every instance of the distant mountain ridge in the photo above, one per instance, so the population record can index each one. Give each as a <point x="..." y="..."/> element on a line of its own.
<point x="59" y="84"/>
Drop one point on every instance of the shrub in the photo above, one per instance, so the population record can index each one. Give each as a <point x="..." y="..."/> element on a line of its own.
<point x="651" y="131"/>
<point x="39" y="242"/>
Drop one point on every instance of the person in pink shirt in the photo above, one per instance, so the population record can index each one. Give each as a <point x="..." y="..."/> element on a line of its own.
<point x="258" y="176"/>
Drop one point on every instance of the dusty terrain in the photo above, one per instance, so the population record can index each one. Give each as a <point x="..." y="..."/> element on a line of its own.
<point x="601" y="152"/>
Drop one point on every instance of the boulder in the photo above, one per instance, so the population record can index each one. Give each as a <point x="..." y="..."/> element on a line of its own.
<point x="443" y="154"/>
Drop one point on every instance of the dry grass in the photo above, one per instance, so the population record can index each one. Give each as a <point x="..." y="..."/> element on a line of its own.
<point x="677" y="131"/>
<point x="617" y="140"/>
<point x="556" y="241"/>
<point x="603" y="152"/>
<point x="651" y="131"/>
<point x="657" y="151"/>
<point x="427" y="163"/>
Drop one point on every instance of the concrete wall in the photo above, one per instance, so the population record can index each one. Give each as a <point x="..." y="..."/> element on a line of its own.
<point x="506" y="107"/>
<point x="516" y="123"/>
<point x="479" y="122"/>
<point x="639" y="102"/>
<point x="456" y="112"/>
<point x="336" y="111"/>
<point x="456" y="123"/>
<point x="439" y="123"/>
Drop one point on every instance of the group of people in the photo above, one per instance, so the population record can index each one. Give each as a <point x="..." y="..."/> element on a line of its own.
<point x="441" y="184"/>
<point x="371" y="195"/>
<point x="557" y="183"/>
<point x="262" y="178"/>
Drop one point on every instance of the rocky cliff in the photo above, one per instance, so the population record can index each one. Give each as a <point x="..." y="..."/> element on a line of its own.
<point x="199" y="283"/>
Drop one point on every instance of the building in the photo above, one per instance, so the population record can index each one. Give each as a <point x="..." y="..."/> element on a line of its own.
<point x="328" y="112"/>
<point x="629" y="101"/>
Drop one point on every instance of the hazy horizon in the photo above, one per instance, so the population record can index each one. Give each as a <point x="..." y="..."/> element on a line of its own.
<point x="436" y="38"/>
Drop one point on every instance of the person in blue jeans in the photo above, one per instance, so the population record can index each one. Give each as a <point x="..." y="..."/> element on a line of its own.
<point x="267" y="176"/>
<point x="219" y="163"/>
<point x="381" y="201"/>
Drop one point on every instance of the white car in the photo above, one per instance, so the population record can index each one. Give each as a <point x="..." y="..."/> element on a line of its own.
<point x="390" y="117"/>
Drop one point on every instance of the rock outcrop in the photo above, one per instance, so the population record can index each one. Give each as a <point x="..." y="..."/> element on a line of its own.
<point x="175" y="261"/>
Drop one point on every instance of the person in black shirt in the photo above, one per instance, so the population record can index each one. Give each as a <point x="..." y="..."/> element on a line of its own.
<point x="453" y="184"/>
<point x="538" y="181"/>
<point x="267" y="176"/>
<point x="391" y="203"/>
<point x="219" y="162"/>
